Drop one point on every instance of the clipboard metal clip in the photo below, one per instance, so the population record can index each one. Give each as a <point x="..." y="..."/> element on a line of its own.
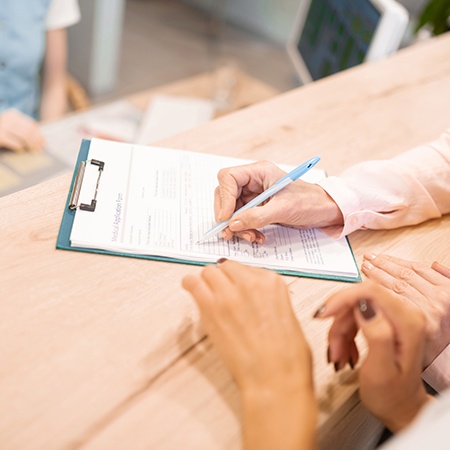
<point x="73" y="203"/>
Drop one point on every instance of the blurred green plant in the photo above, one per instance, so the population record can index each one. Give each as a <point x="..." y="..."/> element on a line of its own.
<point x="436" y="15"/>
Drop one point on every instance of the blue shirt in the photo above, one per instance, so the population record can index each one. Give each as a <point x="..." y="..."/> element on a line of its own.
<point x="22" y="47"/>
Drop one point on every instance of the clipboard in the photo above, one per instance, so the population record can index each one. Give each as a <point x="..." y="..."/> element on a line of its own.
<point x="73" y="203"/>
<point x="63" y="240"/>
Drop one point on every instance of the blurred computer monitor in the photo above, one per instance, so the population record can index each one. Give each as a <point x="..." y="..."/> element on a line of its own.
<point x="332" y="35"/>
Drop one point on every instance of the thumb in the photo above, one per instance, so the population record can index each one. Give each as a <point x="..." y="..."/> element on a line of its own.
<point x="380" y="363"/>
<point x="224" y="203"/>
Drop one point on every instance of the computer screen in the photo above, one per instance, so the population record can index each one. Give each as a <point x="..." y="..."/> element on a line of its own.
<point x="333" y="35"/>
<point x="336" y="35"/>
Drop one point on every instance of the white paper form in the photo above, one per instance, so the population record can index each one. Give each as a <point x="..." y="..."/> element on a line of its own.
<point x="159" y="201"/>
<point x="167" y="115"/>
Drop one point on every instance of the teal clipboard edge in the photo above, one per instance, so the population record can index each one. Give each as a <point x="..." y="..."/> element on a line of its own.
<point x="63" y="240"/>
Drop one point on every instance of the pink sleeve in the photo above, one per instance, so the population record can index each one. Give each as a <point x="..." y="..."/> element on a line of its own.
<point x="383" y="194"/>
<point x="437" y="374"/>
<point x="405" y="190"/>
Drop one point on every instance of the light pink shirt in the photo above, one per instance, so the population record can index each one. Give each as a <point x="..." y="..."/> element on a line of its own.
<point x="406" y="190"/>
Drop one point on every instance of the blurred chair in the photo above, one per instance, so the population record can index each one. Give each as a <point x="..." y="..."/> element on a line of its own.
<point x="76" y="94"/>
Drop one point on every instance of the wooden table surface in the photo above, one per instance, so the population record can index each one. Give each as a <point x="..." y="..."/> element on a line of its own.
<point x="103" y="352"/>
<point x="235" y="87"/>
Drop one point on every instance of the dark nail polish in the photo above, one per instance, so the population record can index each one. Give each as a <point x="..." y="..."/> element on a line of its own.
<point x="319" y="312"/>
<point x="221" y="260"/>
<point x="366" y="308"/>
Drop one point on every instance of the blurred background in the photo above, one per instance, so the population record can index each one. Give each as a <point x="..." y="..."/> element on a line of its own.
<point x="144" y="70"/>
<point x="123" y="46"/>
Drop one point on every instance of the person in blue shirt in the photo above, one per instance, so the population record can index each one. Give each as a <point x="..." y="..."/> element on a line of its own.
<point x="33" y="54"/>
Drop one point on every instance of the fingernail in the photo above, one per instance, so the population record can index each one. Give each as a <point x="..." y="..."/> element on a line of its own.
<point x="319" y="312"/>
<point x="328" y="355"/>
<point x="236" y="225"/>
<point x="221" y="260"/>
<point x="370" y="256"/>
<point x="366" y="309"/>
<point x="367" y="265"/>
<point x="248" y="237"/>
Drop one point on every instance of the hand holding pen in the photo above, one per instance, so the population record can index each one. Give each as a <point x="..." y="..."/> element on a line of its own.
<point x="298" y="205"/>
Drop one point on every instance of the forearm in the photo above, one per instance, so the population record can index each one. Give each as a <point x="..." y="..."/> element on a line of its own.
<point x="273" y="419"/>
<point x="54" y="76"/>
<point x="406" y="190"/>
<point x="403" y="419"/>
<point x="54" y="101"/>
<point x="430" y="429"/>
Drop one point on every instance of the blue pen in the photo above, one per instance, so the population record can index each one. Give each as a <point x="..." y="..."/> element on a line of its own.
<point x="280" y="184"/>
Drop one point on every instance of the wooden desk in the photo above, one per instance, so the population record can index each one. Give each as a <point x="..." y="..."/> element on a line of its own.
<point x="102" y="352"/>
<point x="243" y="89"/>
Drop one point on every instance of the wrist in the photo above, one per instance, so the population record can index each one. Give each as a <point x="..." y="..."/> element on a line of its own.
<point x="279" y="418"/>
<point x="274" y="392"/>
<point x="325" y="209"/>
<point x="405" y="417"/>
<point x="293" y="382"/>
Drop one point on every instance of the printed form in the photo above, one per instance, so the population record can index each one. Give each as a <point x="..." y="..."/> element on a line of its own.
<point x="159" y="201"/>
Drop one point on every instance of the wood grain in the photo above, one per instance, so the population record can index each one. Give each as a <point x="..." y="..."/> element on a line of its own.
<point x="104" y="352"/>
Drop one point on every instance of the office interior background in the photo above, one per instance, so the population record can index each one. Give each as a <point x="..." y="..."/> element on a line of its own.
<point x="124" y="46"/>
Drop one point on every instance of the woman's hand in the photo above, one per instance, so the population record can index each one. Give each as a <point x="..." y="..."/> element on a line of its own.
<point x="19" y="132"/>
<point x="247" y="313"/>
<point x="390" y="381"/>
<point x="299" y="205"/>
<point x="420" y="286"/>
<point x="248" y="316"/>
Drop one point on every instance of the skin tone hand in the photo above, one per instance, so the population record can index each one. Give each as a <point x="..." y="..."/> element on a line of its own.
<point x="419" y="285"/>
<point x="19" y="132"/>
<point x="300" y="205"/>
<point x="390" y="381"/>
<point x="247" y="314"/>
